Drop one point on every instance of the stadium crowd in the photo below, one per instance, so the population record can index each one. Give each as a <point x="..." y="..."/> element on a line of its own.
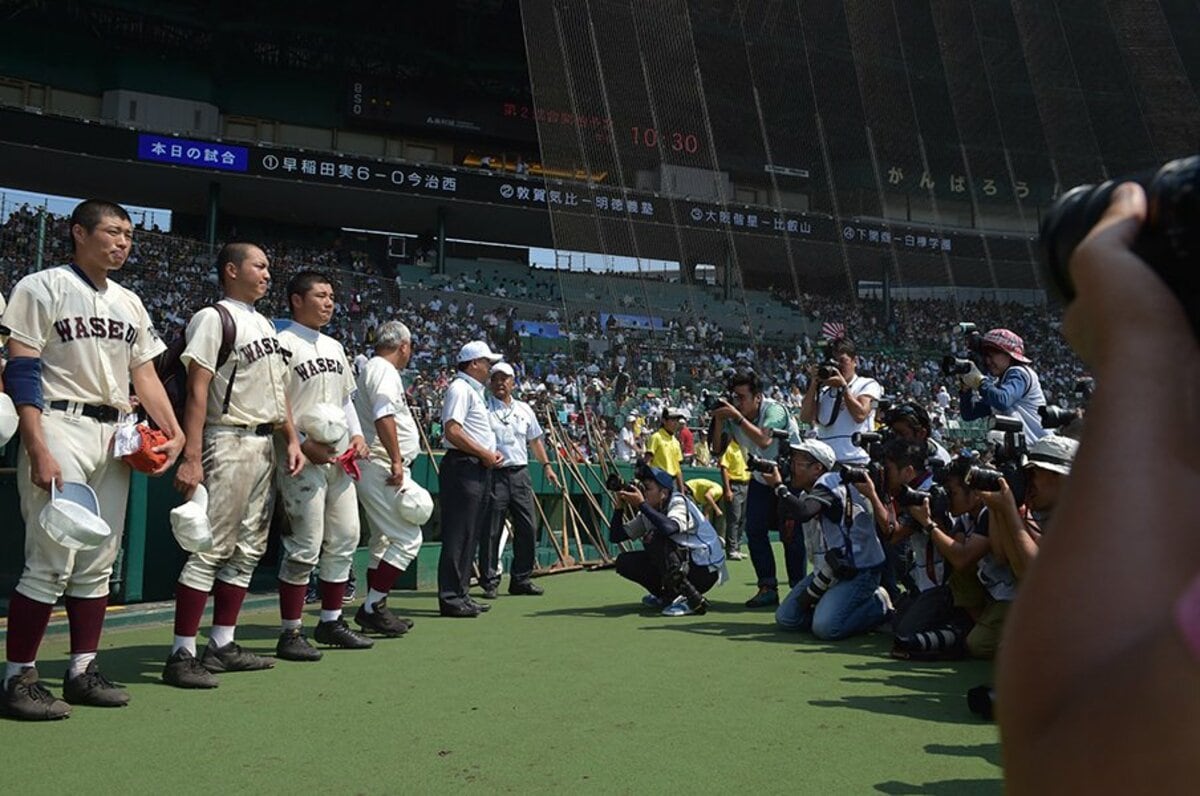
<point x="674" y="365"/>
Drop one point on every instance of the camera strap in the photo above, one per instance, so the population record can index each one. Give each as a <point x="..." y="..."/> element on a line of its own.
<point x="837" y="407"/>
<point x="847" y="523"/>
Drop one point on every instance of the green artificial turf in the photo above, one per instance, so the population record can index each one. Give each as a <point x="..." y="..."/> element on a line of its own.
<point x="578" y="690"/>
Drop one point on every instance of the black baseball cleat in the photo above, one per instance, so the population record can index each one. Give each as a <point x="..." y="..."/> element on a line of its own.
<point x="490" y="592"/>
<point x="525" y="587"/>
<point x="482" y="608"/>
<point x="337" y="633"/>
<point x="380" y="620"/>
<point x="232" y="658"/>
<point x="26" y="699"/>
<point x="93" y="688"/>
<point x="294" y="646"/>
<point x="183" y="670"/>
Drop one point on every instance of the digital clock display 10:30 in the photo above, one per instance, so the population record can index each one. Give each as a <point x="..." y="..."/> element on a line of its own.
<point x="650" y="138"/>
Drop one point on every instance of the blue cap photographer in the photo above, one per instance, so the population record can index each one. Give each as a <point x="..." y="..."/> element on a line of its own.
<point x="681" y="557"/>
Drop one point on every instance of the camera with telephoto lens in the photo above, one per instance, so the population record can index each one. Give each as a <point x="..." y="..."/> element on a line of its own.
<point x="1168" y="242"/>
<point x="760" y="464"/>
<point x="853" y="475"/>
<point x="827" y="370"/>
<point x="1056" y="416"/>
<point x="910" y="497"/>
<point x="834" y="566"/>
<point x="712" y="401"/>
<point x="614" y="482"/>
<point x="983" y="479"/>
<point x="953" y="364"/>
<point x="872" y="442"/>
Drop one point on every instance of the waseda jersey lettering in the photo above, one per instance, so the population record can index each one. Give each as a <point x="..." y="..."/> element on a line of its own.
<point x="89" y="340"/>
<point x="319" y="371"/>
<point x="306" y="370"/>
<point x="79" y="328"/>
<point x="257" y="367"/>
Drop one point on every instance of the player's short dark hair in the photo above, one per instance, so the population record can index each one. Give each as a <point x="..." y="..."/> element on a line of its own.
<point x="747" y="377"/>
<point x="301" y="283"/>
<point x="91" y="212"/>
<point x="843" y="345"/>
<point x="234" y="252"/>
<point x="903" y="453"/>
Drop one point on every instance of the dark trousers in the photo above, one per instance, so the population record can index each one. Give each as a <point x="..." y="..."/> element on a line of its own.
<point x="512" y="496"/>
<point x="664" y="569"/>
<point x="761" y="514"/>
<point x="464" y="485"/>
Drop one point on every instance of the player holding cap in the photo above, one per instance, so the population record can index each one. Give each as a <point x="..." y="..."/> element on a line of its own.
<point x="78" y="340"/>
<point x="232" y="413"/>
<point x="517" y="429"/>
<point x="391" y="434"/>
<point x="321" y="502"/>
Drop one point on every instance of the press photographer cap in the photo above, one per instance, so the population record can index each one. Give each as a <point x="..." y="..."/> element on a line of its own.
<point x="1053" y="453"/>
<point x="821" y="452"/>
<point x="1007" y="341"/>
<point x="662" y="477"/>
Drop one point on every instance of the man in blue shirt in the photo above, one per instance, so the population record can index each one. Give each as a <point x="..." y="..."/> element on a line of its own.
<point x="1012" y="388"/>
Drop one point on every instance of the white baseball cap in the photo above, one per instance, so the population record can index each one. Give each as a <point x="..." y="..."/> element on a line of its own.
<point x="189" y="523"/>
<point x="72" y="517"/>
<point x="820" y="451"/>
<point x="324" y="423"/>
<point x="477" y="349"/>
<point x="674" y="411"/>
<point x="8" y="419"/>
<point x="1053" y="453"/>
<point x="631" y="419"/>
<point x="414" y="504"/>
<point x="505" y="368"/>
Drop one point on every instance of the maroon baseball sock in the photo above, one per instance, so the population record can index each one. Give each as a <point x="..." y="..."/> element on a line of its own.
<point x="332" y="595"/>
<point x="227" y="603"/>
<point x="86" y="619"/>
<point x="27" y="621"/>
<point x="383" y="577"/>
<point x="189" y="610"/>
<point x="291" y="602"/>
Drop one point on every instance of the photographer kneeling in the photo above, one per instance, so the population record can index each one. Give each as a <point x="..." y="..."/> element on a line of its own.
<point x="682" y="556"/>
<point x="936" y="624"/>
<point x="840" y="598"/>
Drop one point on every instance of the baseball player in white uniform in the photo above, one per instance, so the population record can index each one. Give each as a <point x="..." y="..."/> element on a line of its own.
<point x="517" y="429"/>
<point x="321" y="501"/>
<point x="77" y="341"/>
<point x="232" y="412"/>
<point x="391" y="434"/>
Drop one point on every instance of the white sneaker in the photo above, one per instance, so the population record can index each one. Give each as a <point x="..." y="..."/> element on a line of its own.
<point x="678" y="608"/>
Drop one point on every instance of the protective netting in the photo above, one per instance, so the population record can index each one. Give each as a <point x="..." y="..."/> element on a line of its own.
<point x="898" y="156"/>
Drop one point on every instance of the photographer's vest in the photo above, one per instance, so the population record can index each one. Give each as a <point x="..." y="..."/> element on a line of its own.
<point x="1026" y="407"/>
<point x="704" y="545"/>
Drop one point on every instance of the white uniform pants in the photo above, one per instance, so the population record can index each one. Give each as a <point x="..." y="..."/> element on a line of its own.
<point x="238" y="469"/>
<point x="392" y="539"/>
<point x="322" y="508"/>
<point x="82" y="447"/>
